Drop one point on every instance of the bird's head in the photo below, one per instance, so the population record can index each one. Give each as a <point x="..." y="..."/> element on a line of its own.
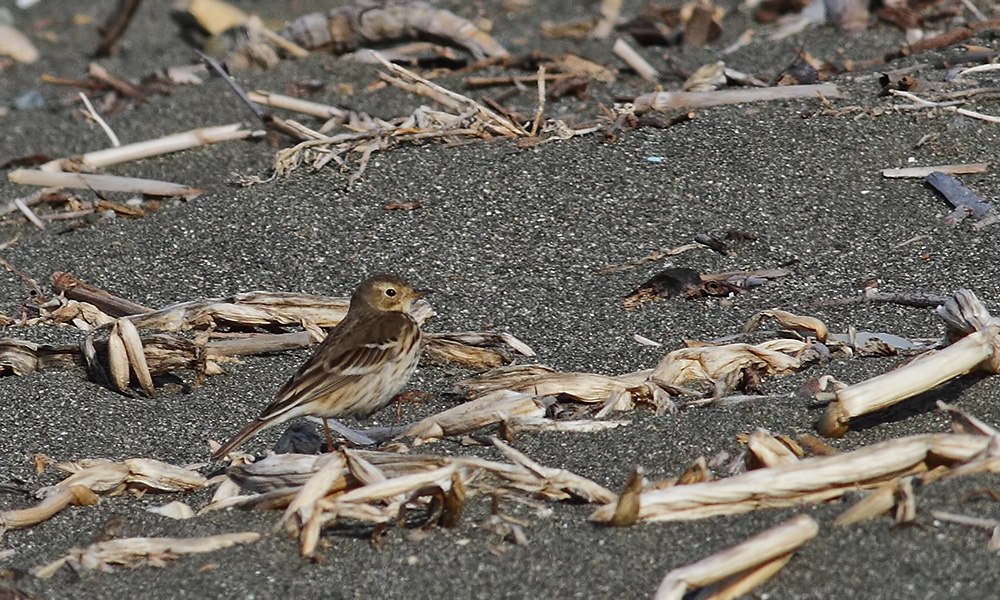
<point x="386" y="293"/>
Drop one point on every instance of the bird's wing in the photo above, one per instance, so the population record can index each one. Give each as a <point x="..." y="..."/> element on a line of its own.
<point x="341" y="359"/>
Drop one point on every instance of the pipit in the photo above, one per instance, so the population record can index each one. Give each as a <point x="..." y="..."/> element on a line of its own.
<point x="363" y="362"/>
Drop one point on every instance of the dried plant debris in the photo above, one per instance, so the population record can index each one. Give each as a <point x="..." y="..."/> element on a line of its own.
<point x="384" y="487"/>
<point x="683" y="282"/>
<point x="738" y="570"/>
<point x="245" y="43"/>
<point x="469" y="119"/>
<point x="137" y="552"/>
<point x="813" y="479"/>
<point x="691" y="24"/>
<point x="116" y="354"/>
<point x="978" y="337"/>
<point x="721" y="369"/>
<point x="98" y="476"/>
<point x="664" y="101"/>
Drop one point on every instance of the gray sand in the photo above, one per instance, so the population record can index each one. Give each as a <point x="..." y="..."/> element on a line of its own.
<point x="508" y="239"/>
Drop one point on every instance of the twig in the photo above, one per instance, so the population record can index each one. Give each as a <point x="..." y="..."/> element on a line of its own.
<point x="948" y="38"/>
<point x="74" y="289"/>
<point x="515" y="79"/>
<point x="917" y="299"/>
<point x="28" y="280"/>
<point x="756" y="551"/>
<point x="119" y="85"/>
<point x="449" y="98"/>
<point x="971" y="6"/>
<point x="655" y="255"/>
<point x="536" y="124"/>
<point x="90" y="85"/>
<point x="254" y="23"/>
<point x="215" y="66"/>
<point x="945" y="106"/>
<point x="97" y="118"/>
<point x="114" y="27"/>
<point x="28" y="213"/>
<point x="610" y="9"/>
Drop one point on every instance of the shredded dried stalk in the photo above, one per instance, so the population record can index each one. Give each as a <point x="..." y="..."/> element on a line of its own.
<point x="96" y="476"/>
<point x="809" y="480"/>
<point x="375" y="486"/>
<point x="135" y="552"/>
<point x="754" y="552"/>
<point x="978" y="350"/>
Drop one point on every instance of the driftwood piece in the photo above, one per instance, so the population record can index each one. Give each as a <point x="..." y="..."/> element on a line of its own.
<point x="74" y="289"/>
<point x="490" y="408"/>
<point x="739" y="561"/>
<point x="810" y="480"/>
<point x="976" y="351"/>
<point x="664" y="101"/>
<point x="957" y="194"/>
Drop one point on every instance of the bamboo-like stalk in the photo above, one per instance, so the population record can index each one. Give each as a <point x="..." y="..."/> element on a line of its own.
<point x="756" y="551"/>
<point x="164" y="145"/>
<point x="663" y="101"/>
<point x="323" y="111"/>
<point x="640" y="65"/>
<point x="102" y="183"/>
<point x="977" y="350"/>
<point x="809" y="480"/>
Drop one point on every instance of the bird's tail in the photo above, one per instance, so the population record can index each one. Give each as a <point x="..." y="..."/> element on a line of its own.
<point x="246" y="433"/>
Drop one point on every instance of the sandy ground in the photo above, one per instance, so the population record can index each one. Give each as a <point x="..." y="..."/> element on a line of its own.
<point x="508" y="239"/>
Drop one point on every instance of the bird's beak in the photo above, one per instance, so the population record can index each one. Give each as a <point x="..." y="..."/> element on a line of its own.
<point x="421" y="293"/>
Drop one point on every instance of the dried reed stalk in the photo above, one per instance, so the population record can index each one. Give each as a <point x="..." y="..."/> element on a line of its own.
<point x="757" y="551"/>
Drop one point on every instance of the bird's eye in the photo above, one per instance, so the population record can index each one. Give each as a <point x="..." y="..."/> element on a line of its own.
<point x="390" y="292"/>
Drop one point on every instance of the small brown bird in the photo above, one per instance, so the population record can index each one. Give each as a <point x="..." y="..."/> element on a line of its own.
<point x="363" y="362"/>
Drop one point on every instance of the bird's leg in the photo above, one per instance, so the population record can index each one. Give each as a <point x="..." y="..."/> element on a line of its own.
<point x="329" y="438"/>
<point x="415" y="396"/>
